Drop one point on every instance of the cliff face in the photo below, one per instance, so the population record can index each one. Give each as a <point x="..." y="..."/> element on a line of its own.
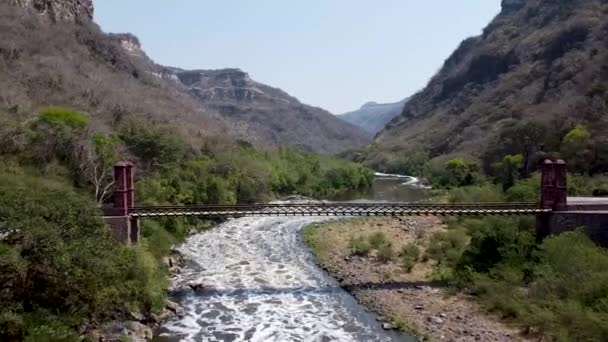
<point x="541" y="62"/>
<point x="74" y="64"/>
<point x="60" y="10"/>
<point x="265" y="115"/>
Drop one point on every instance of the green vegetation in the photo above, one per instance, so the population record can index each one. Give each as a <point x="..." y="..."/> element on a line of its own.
<point x="60" y="268"/>
<point x="386" y="252"/>
<point x="409" y="255"/>
<point x="557" y="288"/>
<point x="359" y="246"/>
<point x="63" y="117"/>
<point x="58" y="263"/>
<point x="377" y="240"/>
<point x="453" y="173"/>
<point x="246" y="175"/>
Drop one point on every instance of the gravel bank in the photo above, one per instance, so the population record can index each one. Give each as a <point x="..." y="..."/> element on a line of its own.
<point x="408" y="301"/>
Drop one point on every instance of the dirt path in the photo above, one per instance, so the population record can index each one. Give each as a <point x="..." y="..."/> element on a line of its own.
<point x="407" y="301"/>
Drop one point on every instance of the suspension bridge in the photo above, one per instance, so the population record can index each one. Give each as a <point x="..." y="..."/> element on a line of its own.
<point x="555" y="212"/>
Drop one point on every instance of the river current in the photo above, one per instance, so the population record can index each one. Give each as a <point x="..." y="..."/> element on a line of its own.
<point x="262" y="284"/>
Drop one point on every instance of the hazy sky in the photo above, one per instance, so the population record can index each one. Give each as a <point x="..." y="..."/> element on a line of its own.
<point x="336" y="54"/>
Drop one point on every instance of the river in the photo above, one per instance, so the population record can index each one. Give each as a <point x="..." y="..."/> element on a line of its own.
<point x="262" y="283"/>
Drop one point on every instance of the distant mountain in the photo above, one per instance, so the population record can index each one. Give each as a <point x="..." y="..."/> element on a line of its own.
<point x="537" y="70"/>
<point x="52" y="53"/>
<point x="256" y="113"/>
<point x="267" y="115"/>
<point x="372" y="116"/>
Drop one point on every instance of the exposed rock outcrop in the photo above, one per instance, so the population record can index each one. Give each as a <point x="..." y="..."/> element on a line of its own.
<point x="111" y="77"/>
<point x="59" y="10"/>
<point x="542" y="63"/>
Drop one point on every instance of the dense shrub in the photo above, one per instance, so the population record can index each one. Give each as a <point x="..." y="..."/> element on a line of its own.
<point x="59" y="265"/>
<point x="409" y="255"/>
<point x="247" y="175"/>
<point x="453" y="173"/>
<point x="386" y="252"/>
<point x="524" y="190"/>
<point x="447" y="247"/>
<point x="377" y="240"/>
<point x="359" y="246"/>
<point x="566" y="285"/>
<point x="476" y="193"/>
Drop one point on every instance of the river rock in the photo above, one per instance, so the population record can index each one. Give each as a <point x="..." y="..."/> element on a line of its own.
<point x="136" y="316"/>
<point x="175" y="270"/>
<point x="175" y="308"/>
<point x="136" y="330"/>
<point x="387" y="326"/>
<point x="197" y="285"/>
<point x="436" y="320"/>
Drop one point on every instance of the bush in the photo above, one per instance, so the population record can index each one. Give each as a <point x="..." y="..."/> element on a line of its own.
<point x="377" y="240"/>
<point x="409" y="255"/>
<point x="359" y="246"/>
<point x="566" y="289"/>
<point x="496" y="241"/>
<point x="59" y="264"/>
<point x="453" y="173"/>
<point x="385" y="253"/>
<point x="525" y="190"/>
<point x="63" y="117"/>
<point x="447" y="247"/>
<point x="476" y="193"/>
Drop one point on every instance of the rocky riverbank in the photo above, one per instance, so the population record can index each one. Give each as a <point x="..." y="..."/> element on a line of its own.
<point x="135" y="326"/>
<point x="408" y="301"/>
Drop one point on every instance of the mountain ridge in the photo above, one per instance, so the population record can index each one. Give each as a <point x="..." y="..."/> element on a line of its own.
<point x="537" y="63"/>
<point x="52" y="53"/>
<point x="373" y="116"/>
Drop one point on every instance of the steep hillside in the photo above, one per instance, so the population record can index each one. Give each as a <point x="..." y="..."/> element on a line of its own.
<point x="52" y="53"/>
<point x="267" y="115"/>
<point x="373" y="116"/>
<point x="539" y="67"/>
<point x="71" y="63"/>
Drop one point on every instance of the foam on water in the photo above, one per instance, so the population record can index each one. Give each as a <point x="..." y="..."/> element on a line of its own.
<point x="262" y="285"/>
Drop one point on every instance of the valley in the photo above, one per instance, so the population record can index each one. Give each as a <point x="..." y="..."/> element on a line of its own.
<point x="185" y="200"/>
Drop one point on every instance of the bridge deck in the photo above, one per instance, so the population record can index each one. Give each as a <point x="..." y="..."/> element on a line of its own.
<point x="341" y="209"/>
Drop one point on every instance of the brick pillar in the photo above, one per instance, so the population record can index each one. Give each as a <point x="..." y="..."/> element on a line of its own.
<point x="121" y="200"/>
<point x="124" y="227"/>
<point x="130" y="183"/>
<point x="547" y="185"/>
<point x="547" y="200"/>
<point x="560" y="191"/>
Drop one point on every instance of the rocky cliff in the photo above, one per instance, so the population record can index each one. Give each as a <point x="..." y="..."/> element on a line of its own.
<point x="538" y="62"/>
<point x="267" y="115"/>
<point x="60" y="10"/>
<point x="68" y="61"/>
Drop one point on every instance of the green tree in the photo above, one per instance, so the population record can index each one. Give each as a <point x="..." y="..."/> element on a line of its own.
<point x="59" y="264"/>
<point x="460" y="172"/>
<point x="577" y="149"/>
<point x="509" y="170"/>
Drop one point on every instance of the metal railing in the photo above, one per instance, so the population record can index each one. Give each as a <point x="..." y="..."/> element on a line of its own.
<point x="342" y="209"/>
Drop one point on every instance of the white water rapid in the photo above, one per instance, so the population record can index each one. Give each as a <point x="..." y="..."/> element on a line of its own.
<point x="262" y="285"/>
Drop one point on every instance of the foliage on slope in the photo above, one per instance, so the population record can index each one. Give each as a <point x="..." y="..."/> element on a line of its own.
<point x="58" y="264"/>
<point x="557" y="288"/>
<point x="539" y="69"/>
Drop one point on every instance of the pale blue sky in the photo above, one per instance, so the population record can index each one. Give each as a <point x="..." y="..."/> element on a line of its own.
<point x="336" y="54"/>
